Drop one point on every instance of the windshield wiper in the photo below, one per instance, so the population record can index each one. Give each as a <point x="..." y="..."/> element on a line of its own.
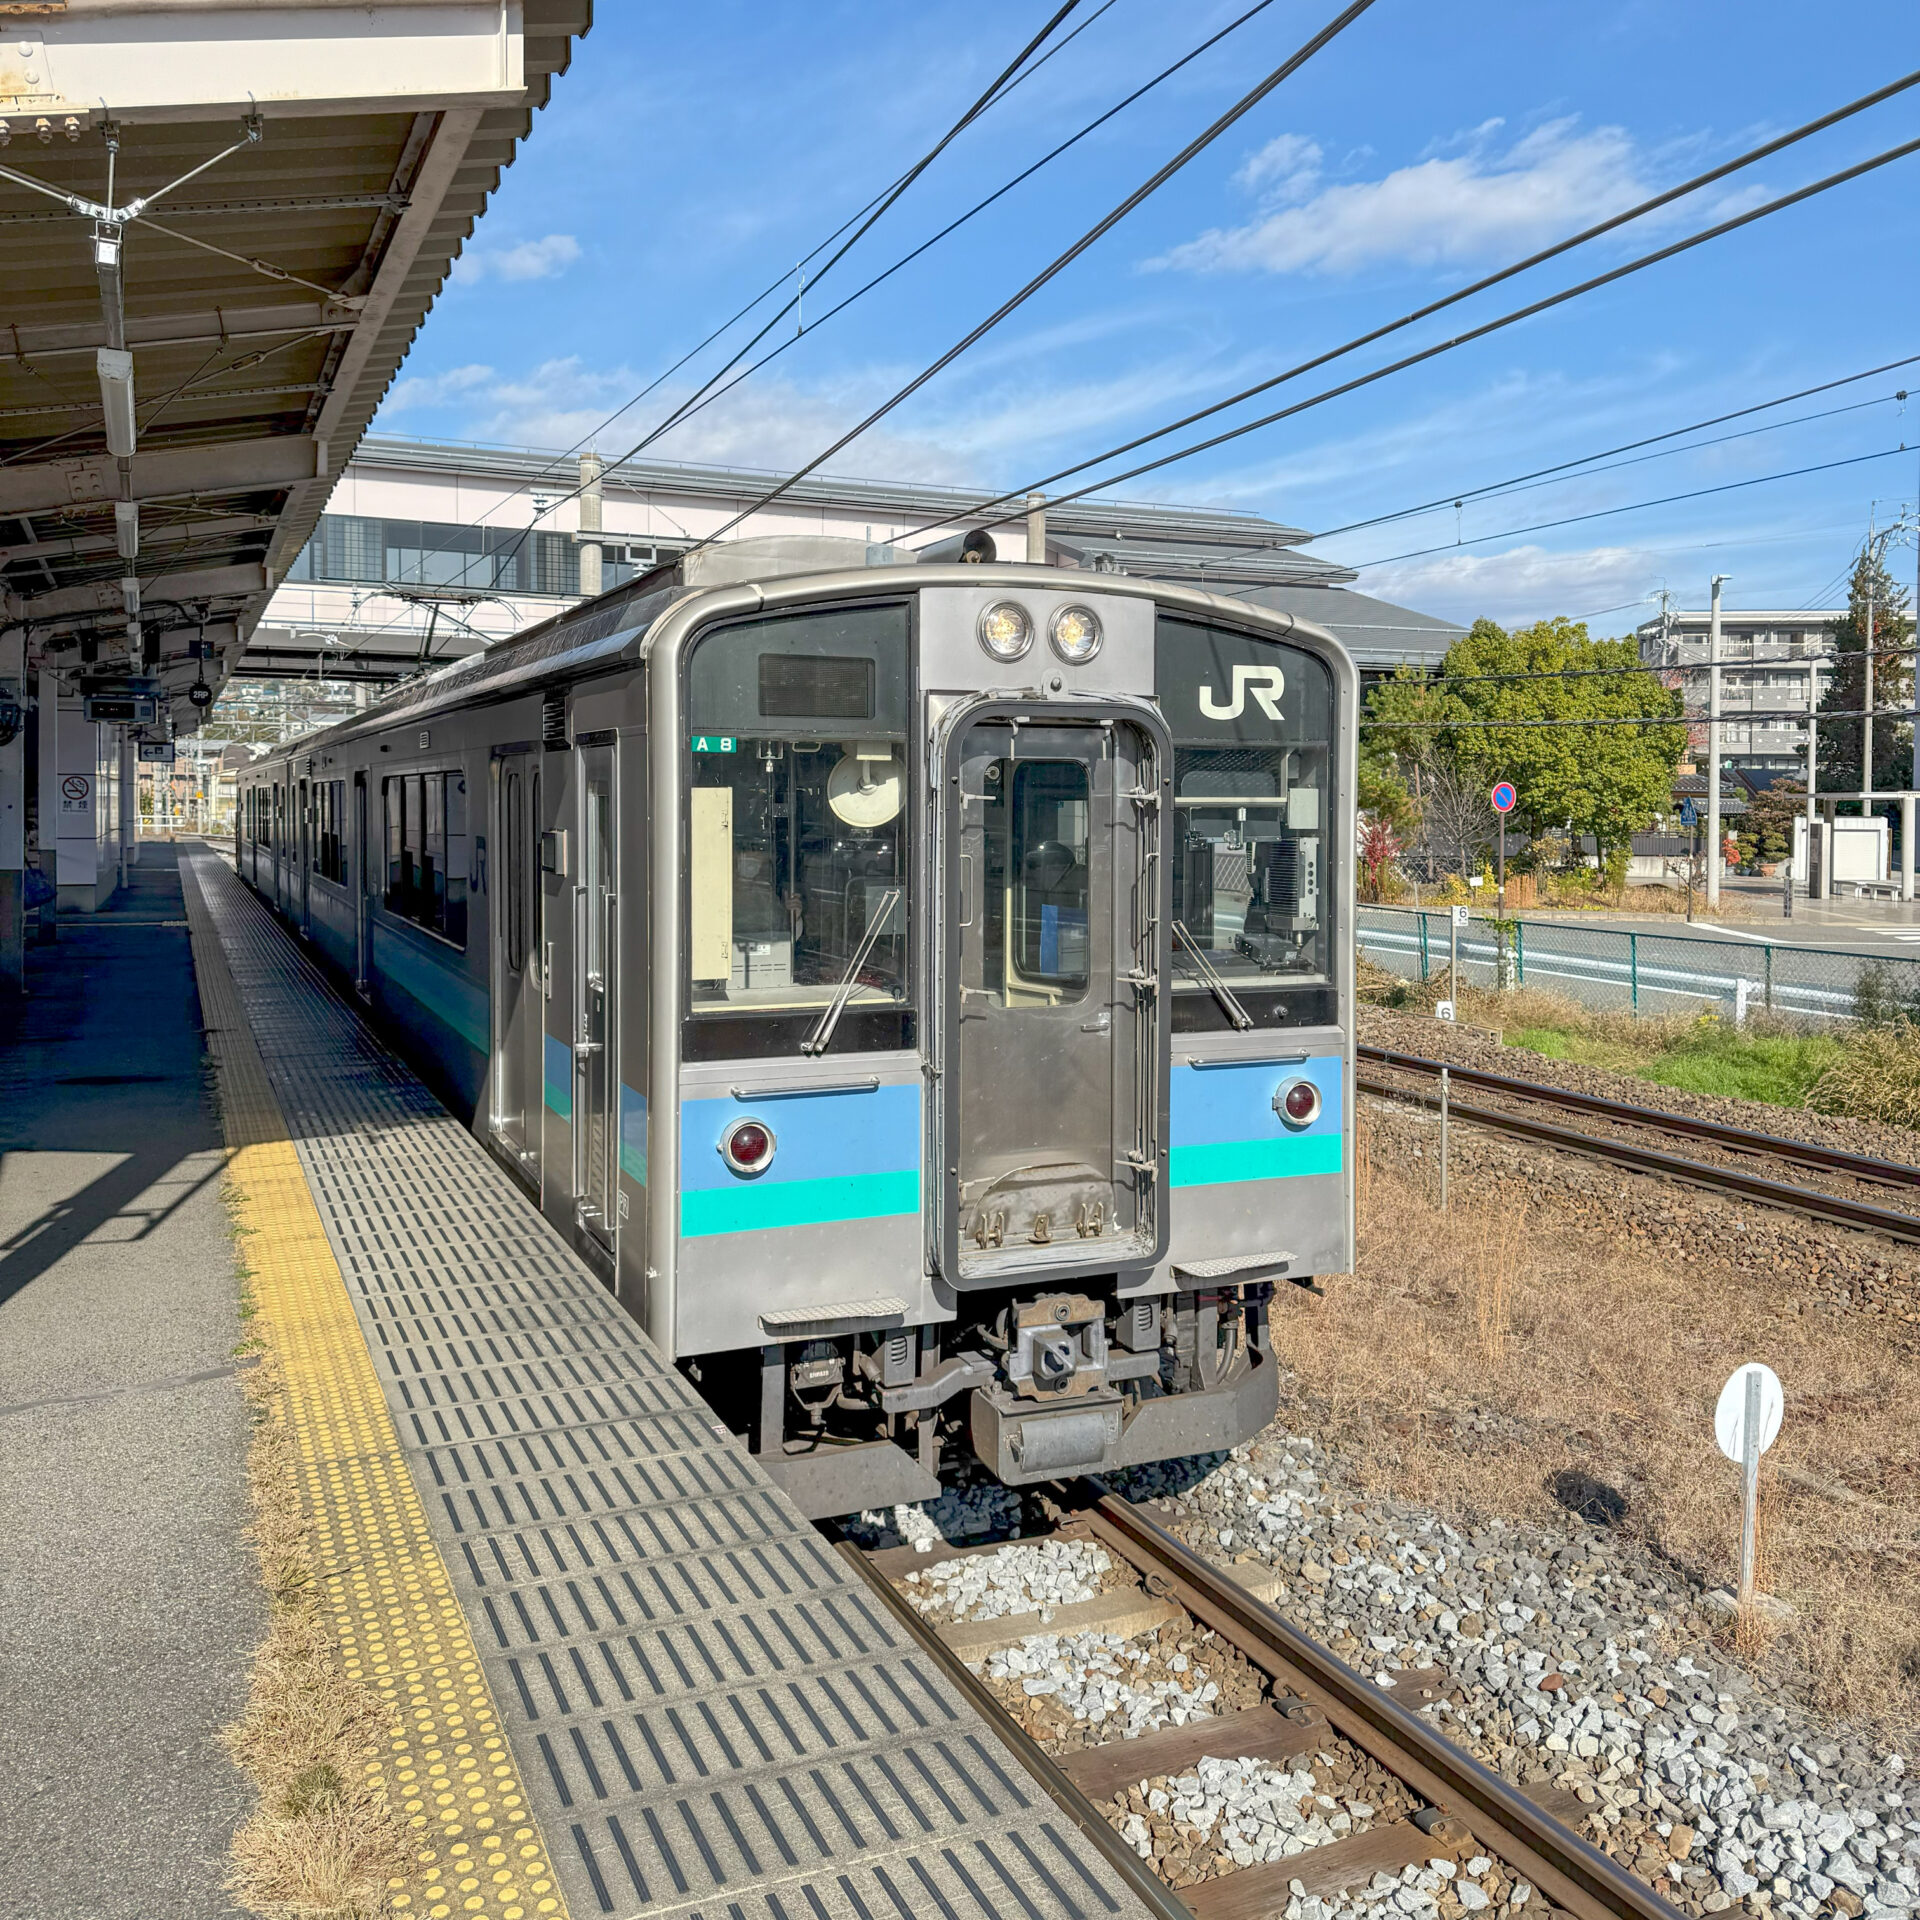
<point x="1203" y="969"/>
<point x="821" y="1038"/>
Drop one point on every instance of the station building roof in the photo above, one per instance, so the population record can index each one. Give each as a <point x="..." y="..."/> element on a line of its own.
<point x="191" y="352"/>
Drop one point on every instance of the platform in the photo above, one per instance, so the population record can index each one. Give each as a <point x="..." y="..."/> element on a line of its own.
<point x="130" y="1603"/>
<point x="708" y="1710"/>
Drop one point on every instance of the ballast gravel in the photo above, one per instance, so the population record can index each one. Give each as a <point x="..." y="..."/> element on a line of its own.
<point x="1022" y="1578"/>
<point x="1577" y="1661"/>
<point x="1083" y="1689"/>
<point x="1229" y="1813"/>
<point x="1441" y="1890"/>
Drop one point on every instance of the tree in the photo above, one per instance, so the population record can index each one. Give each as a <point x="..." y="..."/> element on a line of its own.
<point x="1765" y="831"/>
<point x="1609" y="781"/>
<point x="1871" y="590"/>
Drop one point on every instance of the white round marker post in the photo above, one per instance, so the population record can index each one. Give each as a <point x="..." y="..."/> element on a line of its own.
<point x="1746" y="1422"/>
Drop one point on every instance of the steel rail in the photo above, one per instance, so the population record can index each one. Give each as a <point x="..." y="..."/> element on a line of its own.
<point x="1569" y="1871"/>
<point x="1860" y="1166"/>
<point x="1811" y="1201"/>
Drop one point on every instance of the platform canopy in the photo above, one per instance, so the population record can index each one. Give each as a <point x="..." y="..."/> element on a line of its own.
<point x="221" y="222"/>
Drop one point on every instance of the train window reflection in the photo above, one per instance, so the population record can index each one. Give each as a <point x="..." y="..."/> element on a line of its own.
<point x="1037" y="851"/>
<point x="1252" y="847"/>
<point x="797" y="818"/>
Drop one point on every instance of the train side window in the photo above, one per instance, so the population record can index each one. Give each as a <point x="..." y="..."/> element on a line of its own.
<point x="427" y="851"/>
<point x="797" y="837"/>
<point x="330" y="840"/>
<point x="514" y="857"/>
<point x="1253" y="729"/>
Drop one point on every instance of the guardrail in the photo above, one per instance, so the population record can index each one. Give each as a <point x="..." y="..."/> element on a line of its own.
<point x="1643" y="972"/>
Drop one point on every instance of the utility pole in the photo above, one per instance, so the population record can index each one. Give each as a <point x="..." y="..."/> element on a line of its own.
<point x="1866" y="721"/>
<point x="1713" y="746"/>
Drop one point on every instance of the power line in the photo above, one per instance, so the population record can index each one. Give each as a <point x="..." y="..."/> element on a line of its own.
<point x="1638" y="506"/>
<point x="906" y="180"/>
<point x="1645" y="260"/>
<point x="1653" y="439"/>
<point x="1009" y="78"/>
<point x="1631" y="214"/>
<point x="979" y="207"/>
<point x="1241" y="107"/>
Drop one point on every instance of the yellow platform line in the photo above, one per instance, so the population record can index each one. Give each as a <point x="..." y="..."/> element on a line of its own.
<point x="447" y="1769"/>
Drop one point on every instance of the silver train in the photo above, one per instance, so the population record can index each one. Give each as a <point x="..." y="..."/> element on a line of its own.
<point x="923" y="992"/>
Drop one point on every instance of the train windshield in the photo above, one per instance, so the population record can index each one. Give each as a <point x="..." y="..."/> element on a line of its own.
<point x="797" y="806"/>
<point x="1252" y="726"/>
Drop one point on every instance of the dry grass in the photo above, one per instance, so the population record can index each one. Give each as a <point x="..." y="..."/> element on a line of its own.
<point x="1497" y="1363"/>
<point x="323" y="1842"/>
<point x="1877" y="1077"/>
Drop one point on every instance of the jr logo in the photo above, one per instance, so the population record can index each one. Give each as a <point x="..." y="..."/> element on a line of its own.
<point x="1264" y="683"/>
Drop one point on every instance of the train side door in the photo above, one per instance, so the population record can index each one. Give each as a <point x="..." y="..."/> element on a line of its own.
<point x="304" y="843"/>
<point x="363" y="889"/>
<point x="596" y="1059"/>
<point x="1055" y="1042"/>
<point x="519" y="997"/>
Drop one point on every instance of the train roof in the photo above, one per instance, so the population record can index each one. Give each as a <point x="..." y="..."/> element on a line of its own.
<point x="593" y="636"/>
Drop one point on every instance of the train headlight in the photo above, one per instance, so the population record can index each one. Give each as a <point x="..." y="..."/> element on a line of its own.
<point x="1298" y="1103"/>
<point x="1075" y="633"/>
<point x="1006" y="630"/>
<point x="747" y="1147"/>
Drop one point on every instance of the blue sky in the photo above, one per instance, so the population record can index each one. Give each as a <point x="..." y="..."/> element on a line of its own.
<point x="691" y="156"/>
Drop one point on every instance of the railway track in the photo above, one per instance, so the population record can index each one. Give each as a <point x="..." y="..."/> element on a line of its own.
<point x="1719" y="1176"/>
<point x="1450" y="1806"/>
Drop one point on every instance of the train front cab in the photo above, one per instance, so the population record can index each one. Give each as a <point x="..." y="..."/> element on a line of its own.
<point x="1000" y="1010"/>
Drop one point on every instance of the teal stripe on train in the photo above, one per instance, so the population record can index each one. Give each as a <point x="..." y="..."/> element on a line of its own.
<point x="1225" y="1130"/>
<point x="843" y="1156"/>
<point x="557" y="1076"/>
<point x="453" y="1000"/>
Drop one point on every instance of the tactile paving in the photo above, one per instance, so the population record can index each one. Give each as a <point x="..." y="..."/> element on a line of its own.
<point x="402" y="1631"/>
<point x="709" y="1712"/>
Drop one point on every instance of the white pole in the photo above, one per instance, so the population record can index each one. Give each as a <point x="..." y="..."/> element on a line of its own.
<point x="1866" y="723"/>
<point x="1750" y="1476"/>
<point x="1713" y="746"/>
<point x="1443" y="1139"/>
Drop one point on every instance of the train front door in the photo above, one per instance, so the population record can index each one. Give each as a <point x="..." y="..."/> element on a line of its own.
<point x="596" y="1063"/>
<point x="1055" y="969"/>
<point x="519" y="964"/>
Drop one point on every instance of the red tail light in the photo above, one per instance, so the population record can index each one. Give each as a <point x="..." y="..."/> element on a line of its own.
<point x="747" y="1146"/>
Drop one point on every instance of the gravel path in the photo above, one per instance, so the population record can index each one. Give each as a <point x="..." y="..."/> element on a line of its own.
<point x="1580" y="1662"/>
<point x="1851" y="1271"/>
<point x="1474" y="1047"/>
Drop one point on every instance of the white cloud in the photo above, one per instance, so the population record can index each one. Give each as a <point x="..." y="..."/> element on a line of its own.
<point x="1521" y="585"/>
<point x="1287" y="168"/>
<point x="1444" y="210"/>
<point x="531" y="260"/>
<point x="436" y="389"/>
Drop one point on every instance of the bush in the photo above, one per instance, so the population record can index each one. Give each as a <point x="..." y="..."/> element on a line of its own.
<point x="1879" y="999"/>
<point x="1876" y="1077"/>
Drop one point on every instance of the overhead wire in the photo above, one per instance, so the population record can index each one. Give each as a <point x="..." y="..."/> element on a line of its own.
<point x="1585" y="461"/>
<point x="1058" y="265"/>
<point x="1637" y="506"/>
<point x="1001" y="87"/>
<point x="979" y="207"/>
<point x="866" y="224"/>
<point x="1426" y="311"/>
<point x="1842" y="178"/>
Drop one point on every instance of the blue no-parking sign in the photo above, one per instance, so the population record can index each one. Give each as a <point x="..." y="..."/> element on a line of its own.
<point x="1504" y="797"/>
